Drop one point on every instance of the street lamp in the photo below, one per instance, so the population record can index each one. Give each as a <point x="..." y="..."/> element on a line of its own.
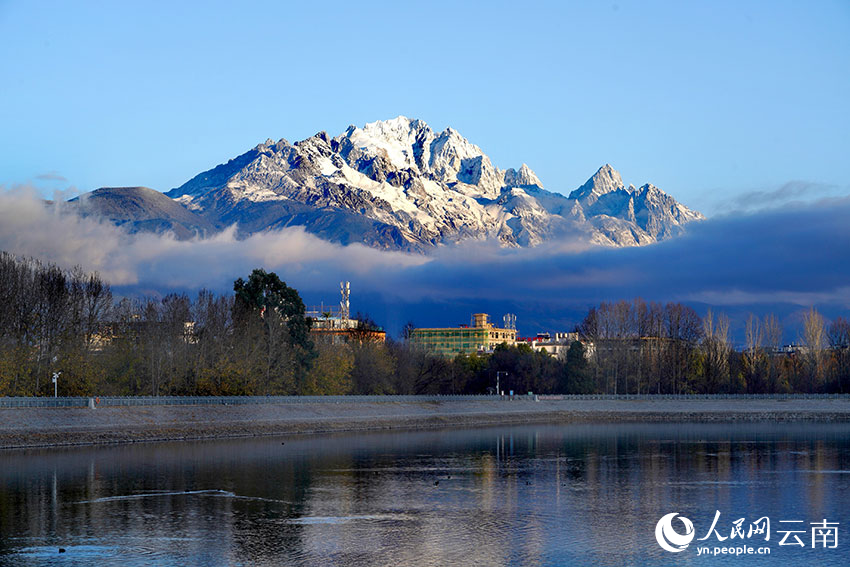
<point x="56" y="384"/>
<point x="498" y="373"/>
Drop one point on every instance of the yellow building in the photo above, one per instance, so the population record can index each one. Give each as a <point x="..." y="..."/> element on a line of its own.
<point x="478" y="337"/>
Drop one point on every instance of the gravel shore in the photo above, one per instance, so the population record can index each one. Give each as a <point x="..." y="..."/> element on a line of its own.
<point x="55" y="427"/>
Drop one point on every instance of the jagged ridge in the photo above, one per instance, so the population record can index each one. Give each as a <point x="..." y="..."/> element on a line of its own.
<point x="398" y="184"/>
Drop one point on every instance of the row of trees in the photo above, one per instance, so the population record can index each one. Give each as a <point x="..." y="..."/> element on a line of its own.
<point x="641" y="347"/>
<point x="405" y="370"/>
<point x="257" y="341"/>
<point x="47" y="315"/>
<point x="253" y="342"/>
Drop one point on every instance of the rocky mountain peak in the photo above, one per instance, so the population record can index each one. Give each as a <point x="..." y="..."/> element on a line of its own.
<point x="402" y="141"/>
<point x="605" y="180"/>
<point x="399" y="129"/>
<point x="522" y="178"/>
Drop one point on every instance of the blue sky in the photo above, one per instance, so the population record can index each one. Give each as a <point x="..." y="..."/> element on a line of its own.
<point x="717" y="103"/>
<point x="738" y="109"/>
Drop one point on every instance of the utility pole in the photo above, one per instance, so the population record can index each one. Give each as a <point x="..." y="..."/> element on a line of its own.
<point x="56" y="384"/>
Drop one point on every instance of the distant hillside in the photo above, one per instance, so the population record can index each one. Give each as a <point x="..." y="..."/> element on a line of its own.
<point x="140" y="209"/>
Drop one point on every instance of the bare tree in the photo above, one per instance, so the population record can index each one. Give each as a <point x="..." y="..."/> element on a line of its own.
<point x="773" y="341"/>
<point x="753" y="355"/>
<point x="213" y="339"/>
<point x="839" y="341"/>
<point x="153" y="344"/>
<point x="814" y="339"/>
<point x="622" y="327"/>
<point x="97" y="306"/>
<point x="656" y="334"/>
<point x="716" y="349"/>
<point x="589" y="330"/>
<point x="683" y="327"/>
<point x="178" y="333"/>
<point x="642" y="329"/>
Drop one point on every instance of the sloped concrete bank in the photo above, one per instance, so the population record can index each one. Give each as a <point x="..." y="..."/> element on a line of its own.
<point x="56" y="427"/>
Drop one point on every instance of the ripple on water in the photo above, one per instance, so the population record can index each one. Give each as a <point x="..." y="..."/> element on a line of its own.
<point x="150" y="494"/>
<point x="311" y="520"/>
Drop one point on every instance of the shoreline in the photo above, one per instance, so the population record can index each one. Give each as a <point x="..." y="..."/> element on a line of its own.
<point x="23" y="428"/>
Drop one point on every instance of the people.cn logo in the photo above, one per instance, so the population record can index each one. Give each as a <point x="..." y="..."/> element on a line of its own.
<point x="670" y="539"/>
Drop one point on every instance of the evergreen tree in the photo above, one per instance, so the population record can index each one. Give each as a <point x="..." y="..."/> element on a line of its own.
<point x="271" y="314"/>
<point x="578" y="378"/>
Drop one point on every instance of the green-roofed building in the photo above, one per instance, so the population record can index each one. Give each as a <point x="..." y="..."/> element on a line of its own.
<point x="478" y="337"/>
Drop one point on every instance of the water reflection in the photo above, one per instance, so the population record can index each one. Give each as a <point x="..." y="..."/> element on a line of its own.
<point x="531" y="495"/>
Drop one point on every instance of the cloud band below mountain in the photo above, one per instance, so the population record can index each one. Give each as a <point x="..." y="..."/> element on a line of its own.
<point x="795" y="256"/>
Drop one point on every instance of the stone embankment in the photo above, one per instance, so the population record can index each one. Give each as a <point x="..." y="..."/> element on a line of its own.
<point x="53" y="427"/>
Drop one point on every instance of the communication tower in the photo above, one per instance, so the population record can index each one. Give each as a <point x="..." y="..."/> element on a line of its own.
<point x="344" y="308"/>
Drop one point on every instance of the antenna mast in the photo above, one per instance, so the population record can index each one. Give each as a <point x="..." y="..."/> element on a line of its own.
<point x="345" y="292"/>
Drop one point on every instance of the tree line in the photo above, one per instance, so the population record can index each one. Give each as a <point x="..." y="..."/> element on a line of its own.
<point x="645" y="347"/>
<point x="257" y="341"/>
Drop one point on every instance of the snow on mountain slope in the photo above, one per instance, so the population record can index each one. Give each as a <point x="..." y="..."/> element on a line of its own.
<point x="522" y="178"/>
<point x="398" y="184"/>
<point x="606" y="180"/>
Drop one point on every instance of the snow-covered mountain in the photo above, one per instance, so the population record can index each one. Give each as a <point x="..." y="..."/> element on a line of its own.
<point x="629" y="216"/>
<point x="398" y="184"/>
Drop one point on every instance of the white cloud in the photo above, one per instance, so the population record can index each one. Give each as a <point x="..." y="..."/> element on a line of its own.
<point x="28" y="227"/>
<point x="797" y="256"/>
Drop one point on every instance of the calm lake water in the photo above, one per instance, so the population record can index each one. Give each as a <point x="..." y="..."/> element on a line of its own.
<point x="529" y="495"/>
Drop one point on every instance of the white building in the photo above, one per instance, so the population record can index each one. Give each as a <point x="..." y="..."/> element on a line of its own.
<point x="556" y="345"/>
